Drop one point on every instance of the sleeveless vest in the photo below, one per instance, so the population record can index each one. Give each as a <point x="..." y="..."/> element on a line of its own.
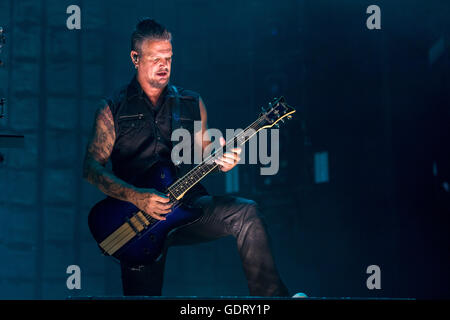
<point x="143" y="131"/>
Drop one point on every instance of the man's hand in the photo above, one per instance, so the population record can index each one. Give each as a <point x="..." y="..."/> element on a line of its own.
<point x="229" y="159"/>
<point x="152" y="202"/>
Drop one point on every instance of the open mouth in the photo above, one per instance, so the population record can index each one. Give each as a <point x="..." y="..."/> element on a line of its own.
<point x="162" y="74"/>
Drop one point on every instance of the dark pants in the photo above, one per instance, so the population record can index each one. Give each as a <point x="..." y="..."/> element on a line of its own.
<point x="222" y="216"/>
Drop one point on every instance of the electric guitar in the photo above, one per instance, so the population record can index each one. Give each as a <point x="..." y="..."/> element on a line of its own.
<point x="132" y="236"/>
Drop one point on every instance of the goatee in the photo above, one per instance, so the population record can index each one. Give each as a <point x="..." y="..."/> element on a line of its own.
<point x="157" y="84"/>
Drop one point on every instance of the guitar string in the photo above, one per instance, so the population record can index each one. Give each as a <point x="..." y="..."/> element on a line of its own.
<point x="197" y="168"/>
<point x="178" y="203"/>
<point x="208" y="158"/>
<point x="204" y="162"/>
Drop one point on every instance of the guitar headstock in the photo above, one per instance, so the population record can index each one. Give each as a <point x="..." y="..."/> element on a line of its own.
<point x="276" y="112"/>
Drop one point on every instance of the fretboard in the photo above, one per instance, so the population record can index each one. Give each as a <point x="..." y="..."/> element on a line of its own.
<point x="183" y="184"/>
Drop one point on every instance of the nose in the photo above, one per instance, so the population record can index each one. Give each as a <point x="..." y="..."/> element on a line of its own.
<point x="165" y="64"/>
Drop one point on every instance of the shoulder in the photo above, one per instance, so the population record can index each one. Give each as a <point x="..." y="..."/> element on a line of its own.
<point x="188" y="94"/>
<point x="191" y="101"/>
<point x="115" y="99"/>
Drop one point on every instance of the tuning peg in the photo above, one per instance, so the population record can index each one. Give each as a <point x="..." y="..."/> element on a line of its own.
<point x="289" y="117"/>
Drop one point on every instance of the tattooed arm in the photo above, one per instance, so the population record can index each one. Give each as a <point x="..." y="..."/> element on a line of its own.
<point x="94" y="171"/>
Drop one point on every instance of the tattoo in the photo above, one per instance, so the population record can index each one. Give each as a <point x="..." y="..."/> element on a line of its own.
<point x="98" y="152"/>
<point x="103" y="135"/>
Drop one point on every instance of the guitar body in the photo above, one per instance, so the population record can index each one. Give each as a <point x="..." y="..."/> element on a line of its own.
<point x="110" y="214"/>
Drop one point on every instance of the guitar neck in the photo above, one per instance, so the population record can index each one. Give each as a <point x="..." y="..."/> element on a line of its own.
<point x="183" y="184"/>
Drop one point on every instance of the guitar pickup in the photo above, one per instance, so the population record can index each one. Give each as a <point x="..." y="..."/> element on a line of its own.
<point x="138" y="218"/>
<point x="137" y="223"/>
<point x="131" y="224"/>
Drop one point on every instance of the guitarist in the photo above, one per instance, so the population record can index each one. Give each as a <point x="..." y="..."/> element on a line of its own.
<point x="133" y="130"/>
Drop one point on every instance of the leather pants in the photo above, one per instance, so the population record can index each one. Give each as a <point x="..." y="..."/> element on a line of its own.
<point x="222" y="216"/>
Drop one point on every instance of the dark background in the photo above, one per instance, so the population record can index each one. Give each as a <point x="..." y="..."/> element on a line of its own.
<point x="377" y="101"/>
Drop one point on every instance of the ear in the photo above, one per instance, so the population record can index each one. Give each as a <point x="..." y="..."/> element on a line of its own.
<point x="134" y="56"/>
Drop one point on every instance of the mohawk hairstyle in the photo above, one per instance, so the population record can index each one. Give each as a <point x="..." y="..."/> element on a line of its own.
<point x="148" y="28"/>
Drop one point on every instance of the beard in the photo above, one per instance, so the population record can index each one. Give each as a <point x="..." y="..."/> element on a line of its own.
<point x="159" y="84"/>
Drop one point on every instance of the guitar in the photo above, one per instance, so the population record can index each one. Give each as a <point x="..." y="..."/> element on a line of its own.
<point x="132" y="236"/>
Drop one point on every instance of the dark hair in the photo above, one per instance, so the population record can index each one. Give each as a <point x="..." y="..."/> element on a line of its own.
<point x="148" y="29"/>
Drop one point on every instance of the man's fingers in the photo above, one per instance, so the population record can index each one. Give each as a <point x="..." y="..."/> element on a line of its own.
<point x="219" y="162"/>
<point x="161" y="211"/>
<point x="229" y="158"/>
<point x="233" y="156"/>
<point x="158" y="217"/>
<point x="163" y="206"/>
<point x="160" y="197"/>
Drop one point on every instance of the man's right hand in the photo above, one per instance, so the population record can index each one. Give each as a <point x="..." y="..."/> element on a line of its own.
<point x="152" y="202"/>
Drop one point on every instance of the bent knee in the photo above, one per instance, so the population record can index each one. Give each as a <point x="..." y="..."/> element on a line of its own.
<point x="252" y="208"/>
<point x="252" y="212"/>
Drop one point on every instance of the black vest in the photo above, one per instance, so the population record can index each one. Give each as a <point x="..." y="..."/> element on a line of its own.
<point x="143" y="131"/>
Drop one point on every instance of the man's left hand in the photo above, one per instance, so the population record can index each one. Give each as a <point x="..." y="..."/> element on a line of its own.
<point x="229" y="159"/>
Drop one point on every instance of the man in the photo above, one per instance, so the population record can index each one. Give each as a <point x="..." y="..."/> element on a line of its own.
<point x="133" y="129"/>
